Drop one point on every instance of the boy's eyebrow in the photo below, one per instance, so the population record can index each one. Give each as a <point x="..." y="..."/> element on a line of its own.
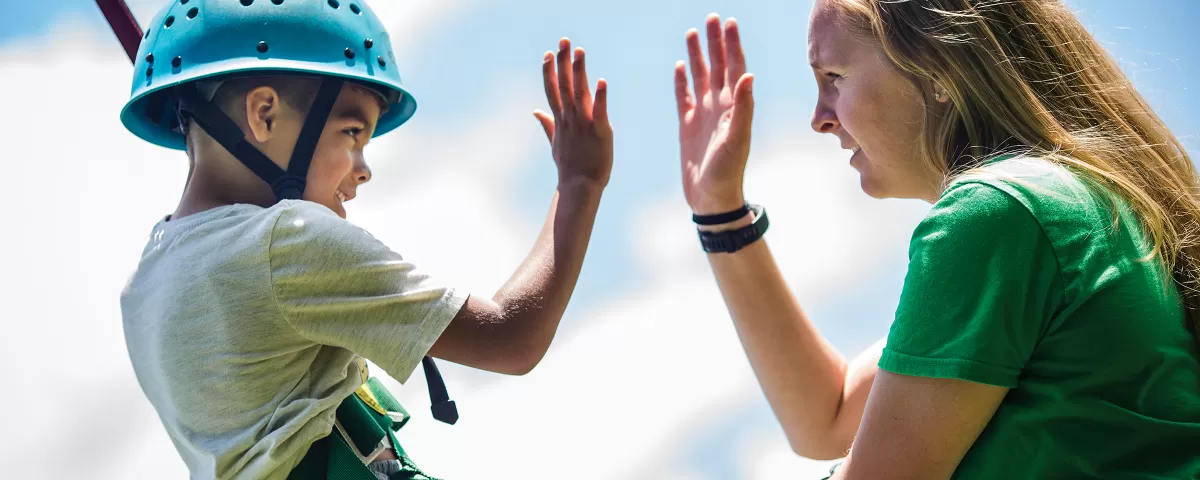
<point x="353" y="113"/>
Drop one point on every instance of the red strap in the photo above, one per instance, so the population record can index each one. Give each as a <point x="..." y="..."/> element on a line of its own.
<point x="123" y="24"/>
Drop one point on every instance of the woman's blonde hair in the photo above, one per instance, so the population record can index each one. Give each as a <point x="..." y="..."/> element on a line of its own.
<point x="1025" y="75"/>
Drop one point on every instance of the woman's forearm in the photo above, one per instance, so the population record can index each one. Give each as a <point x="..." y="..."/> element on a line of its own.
<point x="801" y="374"/>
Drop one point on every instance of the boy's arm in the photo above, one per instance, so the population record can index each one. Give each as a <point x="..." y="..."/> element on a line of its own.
<point x="511" y="332"/>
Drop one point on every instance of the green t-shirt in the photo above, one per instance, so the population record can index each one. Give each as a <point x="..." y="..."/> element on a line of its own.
<point x="1018" y="278"/>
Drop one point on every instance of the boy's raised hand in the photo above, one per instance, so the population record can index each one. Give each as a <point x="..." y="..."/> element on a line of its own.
<point x="577" y="126"/>
<point x="510" y="332"/>
<point x="714" y="119"/>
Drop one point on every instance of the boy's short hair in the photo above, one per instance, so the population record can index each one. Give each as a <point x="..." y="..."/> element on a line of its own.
<point x="297" y="91"/>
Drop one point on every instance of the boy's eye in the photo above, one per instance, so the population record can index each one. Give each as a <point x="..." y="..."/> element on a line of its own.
<point x="353" y="131"/>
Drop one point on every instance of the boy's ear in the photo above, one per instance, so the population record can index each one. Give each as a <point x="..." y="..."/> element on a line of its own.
<point x="262" y="111"/>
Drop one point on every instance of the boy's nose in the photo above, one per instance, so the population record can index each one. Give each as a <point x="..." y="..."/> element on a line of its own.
<point x="362" y="174"/>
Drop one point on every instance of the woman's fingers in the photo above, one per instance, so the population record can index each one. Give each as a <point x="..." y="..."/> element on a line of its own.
<point x="683" y="97"/>
<point x="735" y="58"/>
<point x="716" y="52"/>
<point x="699" y="67"/>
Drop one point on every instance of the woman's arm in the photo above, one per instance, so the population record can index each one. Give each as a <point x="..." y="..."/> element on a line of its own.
<point x="919" y="427"/>
<point x="817" y="397"/>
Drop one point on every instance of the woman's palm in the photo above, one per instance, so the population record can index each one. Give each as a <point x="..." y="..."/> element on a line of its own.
<point x="714" y="120"/>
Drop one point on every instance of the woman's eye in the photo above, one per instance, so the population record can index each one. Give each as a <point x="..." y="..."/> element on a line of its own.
<point x="833" y="77"/>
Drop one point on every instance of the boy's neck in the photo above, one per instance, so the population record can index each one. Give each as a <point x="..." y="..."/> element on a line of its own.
<point x="216" y="183"/>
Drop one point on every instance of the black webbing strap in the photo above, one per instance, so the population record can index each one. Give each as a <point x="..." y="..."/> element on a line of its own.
<point x="442" y="406"/>
<point x="310" y="134"/>
<point x="227" y="133"/>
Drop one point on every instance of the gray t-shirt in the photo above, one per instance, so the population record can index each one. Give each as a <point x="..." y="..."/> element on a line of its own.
<point x="245" y="326"/>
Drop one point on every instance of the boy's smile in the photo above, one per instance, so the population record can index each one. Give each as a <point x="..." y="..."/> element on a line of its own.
<point x="338" y="166"/>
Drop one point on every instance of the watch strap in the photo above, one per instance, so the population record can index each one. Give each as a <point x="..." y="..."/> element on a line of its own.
<point x="730" y="241"/>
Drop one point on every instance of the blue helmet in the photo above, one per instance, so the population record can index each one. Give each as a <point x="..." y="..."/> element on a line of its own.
<point x="191" y="40"/>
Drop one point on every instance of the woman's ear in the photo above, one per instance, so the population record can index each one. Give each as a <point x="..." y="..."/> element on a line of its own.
<point x="262" y="111"/>
<point x="940" y="94"/>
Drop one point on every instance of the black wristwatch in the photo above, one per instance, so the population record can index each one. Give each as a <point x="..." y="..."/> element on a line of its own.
<point x="730" y="241"/>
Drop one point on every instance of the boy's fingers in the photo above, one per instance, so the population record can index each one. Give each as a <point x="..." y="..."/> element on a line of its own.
<point x="551" y="83"/>
<point x="735" y="58"/>
<point x="583" y="96"/>
<point x="564" y="76"/>
<point x="716" y="52"/>
<point x="699" y="68"/>
<point x="683" y="98"/>
<point x="547" y="122"/>
<point x="600" y="109"/>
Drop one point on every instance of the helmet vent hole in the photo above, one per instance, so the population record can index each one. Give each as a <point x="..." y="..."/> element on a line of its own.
<point x="184" y="2"/>
<point x="277" y="2"/>
<point x="170" y="21"/>
<point x="247" y="3"/>
<point x="193" y="12"/>
<point x="334" y="3"/>
<point x="354" y="8"/>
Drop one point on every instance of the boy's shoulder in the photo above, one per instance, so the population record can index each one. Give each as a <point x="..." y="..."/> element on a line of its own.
<point x="285" y="218"/>
<point x="299" y="224"/>
<point x="286" y="231"/>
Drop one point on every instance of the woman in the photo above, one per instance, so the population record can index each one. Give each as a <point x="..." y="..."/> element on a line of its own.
<point x="1048" y="322"/>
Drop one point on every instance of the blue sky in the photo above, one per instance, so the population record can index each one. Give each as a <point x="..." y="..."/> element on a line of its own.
<point x="646" y="330"/>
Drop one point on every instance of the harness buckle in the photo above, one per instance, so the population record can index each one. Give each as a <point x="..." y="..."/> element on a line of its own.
<point x="384" y="444"/>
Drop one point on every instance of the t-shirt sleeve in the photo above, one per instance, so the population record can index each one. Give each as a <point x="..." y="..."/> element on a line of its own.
<point x="336" y="284"/>
<point x="982" y="285"/>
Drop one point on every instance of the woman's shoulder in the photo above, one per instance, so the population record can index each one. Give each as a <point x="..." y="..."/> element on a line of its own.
<point x="1076" y="214"/>
<point x="1050" y="191"/>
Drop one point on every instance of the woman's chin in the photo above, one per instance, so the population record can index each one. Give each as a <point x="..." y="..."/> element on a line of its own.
<point x="871" y="186"/>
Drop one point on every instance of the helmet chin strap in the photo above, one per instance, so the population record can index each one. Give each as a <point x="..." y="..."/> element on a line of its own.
<point x="285" y="184"/>
<point x="290" y="184"/>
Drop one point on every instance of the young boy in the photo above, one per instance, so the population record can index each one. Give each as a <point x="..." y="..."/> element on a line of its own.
<point x="255" y="302"/>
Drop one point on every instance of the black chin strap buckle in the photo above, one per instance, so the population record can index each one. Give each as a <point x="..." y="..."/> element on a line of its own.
<point x="288" y="187"/>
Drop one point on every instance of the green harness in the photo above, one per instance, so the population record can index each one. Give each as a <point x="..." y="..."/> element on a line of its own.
<point x="364" y="421"/>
